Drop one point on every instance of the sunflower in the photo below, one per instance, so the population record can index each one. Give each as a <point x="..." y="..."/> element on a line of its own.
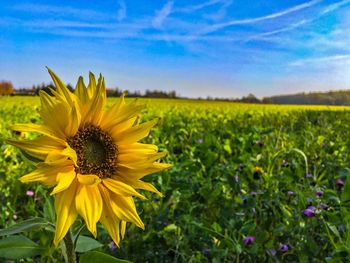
<point x="91" y="157"/>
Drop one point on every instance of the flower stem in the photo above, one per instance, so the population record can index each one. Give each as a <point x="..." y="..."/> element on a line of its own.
<point x="71" y="258"/>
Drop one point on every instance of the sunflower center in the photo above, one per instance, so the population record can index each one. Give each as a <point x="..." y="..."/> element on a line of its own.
<point x="96" y="151"/>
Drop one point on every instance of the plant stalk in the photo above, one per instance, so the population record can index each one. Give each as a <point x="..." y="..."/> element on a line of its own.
<point x="68" y="241"/>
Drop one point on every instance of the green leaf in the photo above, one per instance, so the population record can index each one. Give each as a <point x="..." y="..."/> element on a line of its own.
<point x="49" y="209"/>
<point x="17" y="247"/>
<point x="227" y="148"/>
<point x="85" y="244"/>
<point x="99" y="257"/>
<point x="27" y="225"/>
<point x="30" y="158"/>
<point x="334" y="229"/>
<point x="346" y="191"/>
<point x="169" y="228"/>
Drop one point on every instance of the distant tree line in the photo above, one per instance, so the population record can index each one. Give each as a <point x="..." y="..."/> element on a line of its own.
<point x="340" y="97"/>
<point x="35" y="89"/>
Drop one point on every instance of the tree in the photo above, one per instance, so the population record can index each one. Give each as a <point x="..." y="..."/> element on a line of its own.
<point x="6" y="88"/>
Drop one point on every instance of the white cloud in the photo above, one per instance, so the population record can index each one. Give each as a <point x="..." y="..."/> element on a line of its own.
<point x="60" y="11"/>
<point x="221" y="13"/>
<point x="262" y="36"/>
<point x="335" y="6"/>
<point x="218" y="26"/>
<point x="324" y="60"/>
<point x="190" y="9"/>
<point x="162" y="14"/>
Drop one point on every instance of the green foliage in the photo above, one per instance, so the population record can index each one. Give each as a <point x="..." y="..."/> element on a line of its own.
<point x="86" y="244"/>
<point x="239" y="170"/>
<point x="338" y="97"/>
<point x="17" y="247"/>
<point x="98" y="257"/>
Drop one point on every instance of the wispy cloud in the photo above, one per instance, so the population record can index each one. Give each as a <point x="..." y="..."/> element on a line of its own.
<point x="192" y="8"/>
<point x="221" y="13"/>
<point x="162" y="14"/>
<point x="218" y="26"/>
<point x="323" y="60"/>
<point x="58" y="10"/>
<point x="324" y="11"/>
<point x="335" y="6"/>
<point x="278" y="31"/>
<point x="122" y="10"/>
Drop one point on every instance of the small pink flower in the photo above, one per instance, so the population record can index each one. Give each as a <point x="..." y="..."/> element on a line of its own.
<point x="29" y="193"/>
<point x="14" y="217"/>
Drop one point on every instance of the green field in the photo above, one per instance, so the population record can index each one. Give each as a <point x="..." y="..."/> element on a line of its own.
<point x="265" y="171"/>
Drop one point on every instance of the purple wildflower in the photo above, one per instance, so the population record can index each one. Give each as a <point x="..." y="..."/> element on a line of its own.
<point x="112" y="246"/>
<point x="309" y="200"/>
<point x="253" y="194"/>
<point x="248" y="240"/>
<point x="29" y="193"/>
<point x="284" y="248"/>
<point x="340" y="182"/>
<point x="309" y="212"/>
<point x="259" y="143"/>
<point x="14" y="217"/>
<point x="319" y="193"/>
<point x="309" y="175"/>
<point x="324" y="206"/>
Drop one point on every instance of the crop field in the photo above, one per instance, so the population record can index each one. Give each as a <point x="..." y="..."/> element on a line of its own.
<point x="249" y="183"/>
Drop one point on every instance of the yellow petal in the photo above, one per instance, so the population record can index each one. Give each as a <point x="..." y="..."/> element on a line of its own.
<point x="121" y="188"/>
<point x="81" y="91"/>
<point x="57" y="157"/>
<point x="112" y="112"/>
<point x="138" y="184"/>
<point x="137" y="148"/>
<point x="89" y="205"/>
<point x="39" y="147"/>
<point x="135" y="133"/>
<point x="124" y="208"/>
<point x="116" y="116"/>
<point x="74" y="121"/>
<point x="64" y="180"/>
<point x="89" y="179"/>
<point x="61" y="87"/>
<point x="91" y="89"/>
<point x="65" y="212"/>
<point x="137" y="172"/>
<point x="29" y="127"/>
<point x="122" y="228"/>
<point x="117" y="129"/>
<point x="94" y="109"/>
<point x="125" y="158"/>
<point x="45" y="174"/>
<point x="109" y="219"/>
<point x="56" y="114"/>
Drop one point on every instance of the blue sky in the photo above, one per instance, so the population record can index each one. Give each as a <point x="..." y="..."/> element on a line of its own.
<point x="220" y="48"/>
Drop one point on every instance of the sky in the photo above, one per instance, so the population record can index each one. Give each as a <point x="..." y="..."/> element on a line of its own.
<point x="217" y="48"/>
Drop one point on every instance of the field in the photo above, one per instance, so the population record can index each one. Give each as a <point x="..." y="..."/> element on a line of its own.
<point x="250" y="183"/>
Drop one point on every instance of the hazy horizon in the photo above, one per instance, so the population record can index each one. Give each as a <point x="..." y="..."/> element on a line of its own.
<point x="217" y="48"/>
